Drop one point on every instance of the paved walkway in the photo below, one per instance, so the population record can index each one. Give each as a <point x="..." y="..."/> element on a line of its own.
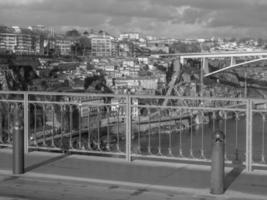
<point x="146" y="177"/>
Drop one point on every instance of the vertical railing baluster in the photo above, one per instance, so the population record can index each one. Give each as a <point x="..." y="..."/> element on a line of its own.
<point x="149" y="132"/>
<point x="128" y="121"/>
<point x="53" y="124"/>
<point x="202" y="135"/>
<point x="213" y="121"/>
<point x="62" y="125"/>
<point x="108" y="128"/>
<point x="9" y="106"/>
<point x="191" y="135"/>
<point x="118" y="129"/>
<point x="225" y="134"/>
<point x="2" y="126"/>
<point x="180" y="134"/>
<point x="80" y="126"/>
<point x="236" y="136"/>
<point x="89" y="131"/>
<point x="139" y="134"/>
<point x="43" y="124"/>
<point x="170" y="133"/>
<point x="249" y="124"/>
<point x="26" y="122"/>
<point x="35" y="125"/>
<point x="98" y="129"/>
<point x="263" y="139"/>
<point x="71" y="127"/>
<point x="159" y="148"/>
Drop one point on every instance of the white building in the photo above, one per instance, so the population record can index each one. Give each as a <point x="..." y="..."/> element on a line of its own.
<point x="101" y="45"/>
<point x="64" y="46"/>
<point x="129" y="36"/>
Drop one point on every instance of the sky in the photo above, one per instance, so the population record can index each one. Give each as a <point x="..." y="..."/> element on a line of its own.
<point x="164" y="18"/>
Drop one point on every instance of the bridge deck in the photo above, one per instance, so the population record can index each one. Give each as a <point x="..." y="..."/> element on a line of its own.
<point x="149" y="175"/>
<point x="216" y="54"/>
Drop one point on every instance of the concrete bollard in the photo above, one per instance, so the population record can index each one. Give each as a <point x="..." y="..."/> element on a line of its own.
<point x="18" y="145"/>
<point x="217" y="164"/>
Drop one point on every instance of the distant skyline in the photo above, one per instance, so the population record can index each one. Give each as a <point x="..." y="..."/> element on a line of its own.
<point x="165" y="18"/>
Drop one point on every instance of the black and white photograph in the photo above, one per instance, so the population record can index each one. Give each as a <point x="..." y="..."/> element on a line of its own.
<point x="133" y="99"/>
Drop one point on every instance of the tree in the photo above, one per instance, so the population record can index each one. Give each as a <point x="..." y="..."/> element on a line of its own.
<point x="82" y="46"/>
<point x="180" y="47"/>
<point x="260" y="42"/>
<point x="73" y="33"/>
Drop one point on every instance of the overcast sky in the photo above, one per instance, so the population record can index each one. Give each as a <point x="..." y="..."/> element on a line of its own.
<point x="170" y="18"/>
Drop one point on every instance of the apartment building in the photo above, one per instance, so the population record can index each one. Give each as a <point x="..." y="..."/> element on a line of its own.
<point x="20" y="42"/>
<point x="8" y="41"/>
<point x="130" y="36"/>
<point x="24" y="43"/>
<point x="101" y="45"/>
<point x="64" y="46"/>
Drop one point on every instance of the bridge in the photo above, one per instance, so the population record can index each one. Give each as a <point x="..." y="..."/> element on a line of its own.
<point x="181" y="58"/>
<point x="214" y="54"/>
<point x="166" y="133"/>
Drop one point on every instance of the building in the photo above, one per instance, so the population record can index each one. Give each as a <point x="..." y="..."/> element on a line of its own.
<point x="40" y="28"/>
<point x="125" y="49"/>
<point x="20" y="43"/>
<point x="64" y="46"/>
<point x="159" y="45"/>
<point x="102" y="45"/>
<point x="24" y="43"/>
<point x="129" y="36"/>
<point x="8" y="41"/>
<point x="143" y="60"/>
<point x="19" y="40"/>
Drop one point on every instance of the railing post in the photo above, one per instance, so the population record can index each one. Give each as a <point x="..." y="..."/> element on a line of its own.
<point x="18" y="144"/>
<point x="249" y="136"/>
<point x="217" y="164"/>
<point x="26" y="122"/>
<point x="128" y="122"/>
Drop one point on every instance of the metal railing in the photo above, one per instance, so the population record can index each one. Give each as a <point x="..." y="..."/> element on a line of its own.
<point x="185" y="132"/>
<point x="138" y="127"/>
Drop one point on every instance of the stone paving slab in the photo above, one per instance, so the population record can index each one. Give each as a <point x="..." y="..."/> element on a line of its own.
<point x="179" y="177"/>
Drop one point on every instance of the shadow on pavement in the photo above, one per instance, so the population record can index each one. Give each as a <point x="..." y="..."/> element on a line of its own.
<point x="51" y="160"/>
<point x="232" y="176"/>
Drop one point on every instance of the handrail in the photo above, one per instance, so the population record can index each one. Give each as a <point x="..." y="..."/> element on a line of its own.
<point x="126" y="95"/>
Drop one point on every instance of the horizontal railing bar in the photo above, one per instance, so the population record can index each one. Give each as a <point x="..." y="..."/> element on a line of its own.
<point x="188" y="98"/>
<point x="162" y="157"/>
<point x="13" y="92"/>
<point x="134" y="106"/>
<point x="46" y="148"/>
<point x="5" y="145"/>
<point x="189" y="108"/>
<point x="60" y="94"/>
<point x="11" y="101"/>
<point x="132" y="96"/>
<point x="75" y="94"/>
<point x="97" y="152"/>
<point x="124" y="96"/>
<point x="258" y="111"/>
<point x="74" y="103"/>
<point x="175" y="158"/>
<point x="259" y="164"/>
<point x="78" y="150"/>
